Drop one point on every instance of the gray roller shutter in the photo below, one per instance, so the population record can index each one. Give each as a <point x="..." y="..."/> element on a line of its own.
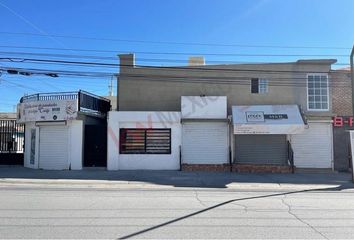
<point x="261" y="149"/>
<point x="205" y="143"/>
<point x="53" y="147"/>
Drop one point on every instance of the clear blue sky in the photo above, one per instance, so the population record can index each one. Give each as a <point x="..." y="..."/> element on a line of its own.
<point x="258" y="22"/>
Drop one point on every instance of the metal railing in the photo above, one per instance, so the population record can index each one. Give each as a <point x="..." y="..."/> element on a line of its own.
<point x="87" y="102"/>
<point x="291" y="157"/>
<point x="12" y="136"/>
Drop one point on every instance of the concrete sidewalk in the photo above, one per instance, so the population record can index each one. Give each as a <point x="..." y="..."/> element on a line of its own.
<point x="10" y="175"/>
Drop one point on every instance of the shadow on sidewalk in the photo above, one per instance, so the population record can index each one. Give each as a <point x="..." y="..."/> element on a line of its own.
<point x="176" y="178"/>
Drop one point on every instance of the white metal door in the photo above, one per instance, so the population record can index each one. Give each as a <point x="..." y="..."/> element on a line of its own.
<point x="313" y="147"/>
<point x="205" y="143"/>
<point x="53" y="147"/>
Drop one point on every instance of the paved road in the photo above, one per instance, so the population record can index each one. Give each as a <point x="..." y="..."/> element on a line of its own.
<point x="30" y="211"/>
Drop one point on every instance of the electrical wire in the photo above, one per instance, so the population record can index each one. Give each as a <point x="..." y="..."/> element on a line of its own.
<point x="173" y="43"/>
<point x="204" y="68"/>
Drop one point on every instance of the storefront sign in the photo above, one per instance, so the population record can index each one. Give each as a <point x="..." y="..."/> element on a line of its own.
<point x="260" y="116"/>
<point x="267" y="119"/>
<point x="342" y="121"/>
<point x="52" y="110"/>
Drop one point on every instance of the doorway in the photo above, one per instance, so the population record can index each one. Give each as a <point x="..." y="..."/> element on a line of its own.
<point x="95" y="146"/>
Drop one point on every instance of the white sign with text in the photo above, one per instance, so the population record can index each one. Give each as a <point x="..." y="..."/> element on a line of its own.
<point x="51" y="110"/>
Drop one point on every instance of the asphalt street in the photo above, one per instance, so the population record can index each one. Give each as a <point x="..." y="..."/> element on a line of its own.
<point x="45" y="211"/>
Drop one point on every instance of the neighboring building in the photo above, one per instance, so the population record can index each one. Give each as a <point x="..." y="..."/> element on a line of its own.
<point x="342" y="108"/>
<point x="64" y="130"/>
<point x="113" y="100"/>
<point x="11" y="140"/>
<point x="258" y="120"/>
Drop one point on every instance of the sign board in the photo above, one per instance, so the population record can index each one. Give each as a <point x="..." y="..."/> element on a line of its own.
<point x="207" y="107"/>
<point x="342" y="121"/>
<point x="51" y="110"/>
<point x="267" y="119"/>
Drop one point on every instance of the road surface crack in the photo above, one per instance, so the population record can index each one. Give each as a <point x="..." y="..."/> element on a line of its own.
<point x="245" y="208"/>
<point x="299" y="219"/>
<point x="198" y="199"/>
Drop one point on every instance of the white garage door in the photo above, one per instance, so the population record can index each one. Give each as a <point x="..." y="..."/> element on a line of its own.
<point x="313" y="147"/>
<point x="205" y="143"/>
<point x="53" y="147"/>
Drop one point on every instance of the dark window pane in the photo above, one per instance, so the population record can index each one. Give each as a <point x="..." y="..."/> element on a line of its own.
<point x="324" y="83"/>
<point x="254" y="85"/>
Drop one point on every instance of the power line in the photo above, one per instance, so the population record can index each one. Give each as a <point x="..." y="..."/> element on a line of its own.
<point x="172" y="43"/>
<point x="154" y="59"/>
<point x="174" y="68"/>
<point x="220" y="80"/>
<point x="127" y="51"/>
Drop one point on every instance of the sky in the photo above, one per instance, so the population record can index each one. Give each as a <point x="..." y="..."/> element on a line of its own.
<point x="151" y="27"/>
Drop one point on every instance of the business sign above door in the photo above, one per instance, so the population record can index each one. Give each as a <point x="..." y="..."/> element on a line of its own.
<point x="267" y="119"/>
<point x="51" y="110"/>
<point x="255" y="116"/>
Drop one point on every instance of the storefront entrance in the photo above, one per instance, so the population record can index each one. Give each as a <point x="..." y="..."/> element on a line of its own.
<point x="95" y="146"/>
<point x="261" y="149"/>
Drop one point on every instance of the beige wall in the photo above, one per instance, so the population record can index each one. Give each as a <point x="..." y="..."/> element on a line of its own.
<point x="160" y="89"/>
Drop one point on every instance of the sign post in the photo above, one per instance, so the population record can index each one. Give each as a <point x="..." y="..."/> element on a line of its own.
<point x="352" y="151"/>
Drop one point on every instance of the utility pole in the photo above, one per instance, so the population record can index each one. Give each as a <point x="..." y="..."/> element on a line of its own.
<point x="110" y="87"/>
<point x="352" y="77"/>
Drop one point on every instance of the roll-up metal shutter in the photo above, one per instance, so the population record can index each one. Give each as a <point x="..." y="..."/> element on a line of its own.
<point x="53" y="147"/>
<point x="313" y="147"/>
<point x="261" y="149"/>
<point x="205" y="143"/>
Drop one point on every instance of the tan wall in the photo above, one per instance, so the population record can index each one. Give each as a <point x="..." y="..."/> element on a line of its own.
<point x="160" y="89"/>
<point x="342" y="93"/>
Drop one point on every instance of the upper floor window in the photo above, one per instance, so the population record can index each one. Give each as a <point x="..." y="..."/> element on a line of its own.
<point x="317" y="92"/>
<point x="259" y="85"/>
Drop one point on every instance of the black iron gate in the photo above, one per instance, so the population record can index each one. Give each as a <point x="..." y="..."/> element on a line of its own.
<point x="95" y="146"/>
<point x="12" y="139"/>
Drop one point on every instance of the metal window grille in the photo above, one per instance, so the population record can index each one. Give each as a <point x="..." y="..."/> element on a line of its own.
<point x="145" y="141"/>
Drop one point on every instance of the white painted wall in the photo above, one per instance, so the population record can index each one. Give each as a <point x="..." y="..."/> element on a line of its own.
<point x="208" y="107"/>
<point x="75" y="140"/>
<point x="117" y="120"/>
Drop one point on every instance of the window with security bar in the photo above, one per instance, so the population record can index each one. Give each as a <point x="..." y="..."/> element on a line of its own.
<point x="145" y="141"/>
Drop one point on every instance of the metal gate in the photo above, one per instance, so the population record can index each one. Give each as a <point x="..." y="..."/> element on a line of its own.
<point x="95" y="146"/>
<point x="12" y="139"/>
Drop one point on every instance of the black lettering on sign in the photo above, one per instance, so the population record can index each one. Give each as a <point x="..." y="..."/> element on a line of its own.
<point x="275" y="116"/>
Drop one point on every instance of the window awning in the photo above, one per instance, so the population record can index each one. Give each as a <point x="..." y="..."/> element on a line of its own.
<point x="267" y="119"/>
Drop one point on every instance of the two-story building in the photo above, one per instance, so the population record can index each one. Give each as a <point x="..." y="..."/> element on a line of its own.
<point x="245" y="117"/>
